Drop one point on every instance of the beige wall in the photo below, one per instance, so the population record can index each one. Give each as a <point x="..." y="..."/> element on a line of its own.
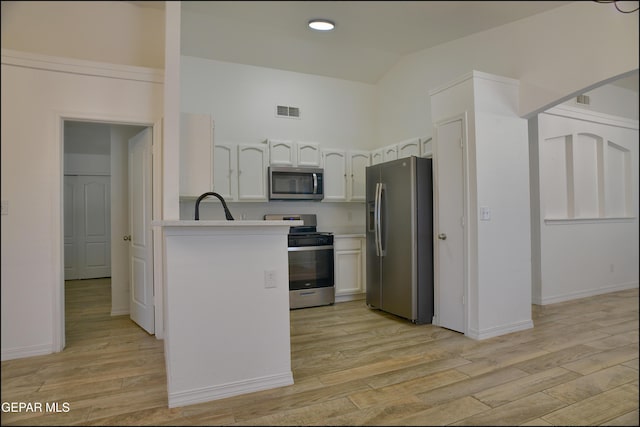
<point x="117" y="32"/>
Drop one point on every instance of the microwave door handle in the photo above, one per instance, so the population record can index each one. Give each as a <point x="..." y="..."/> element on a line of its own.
<point x="315" y="183"/>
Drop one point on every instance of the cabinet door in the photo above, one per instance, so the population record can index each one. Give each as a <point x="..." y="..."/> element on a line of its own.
<point x="282" y="153"/>
<point x="390" y="152"/>
<point x="252" y="172"/>
<point x="335" y="174"/>
<point x="358" y="161"/>
<point x="348" y="266"/>
<point x="196" y="154"/>
<point x="377" y="156"/>
<point x="308" y="154"/>
<point x="426" y="149"/>
<point x="409" y="148"/>
<point x="225" y="174"/>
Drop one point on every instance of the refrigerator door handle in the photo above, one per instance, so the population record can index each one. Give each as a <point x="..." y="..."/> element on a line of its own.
<point x="376" y="213"/>
<point x="383" y="189"/>
<point x="378" y="217"/>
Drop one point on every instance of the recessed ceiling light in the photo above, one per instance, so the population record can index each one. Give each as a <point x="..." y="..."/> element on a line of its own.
<point x="321" y="24"/>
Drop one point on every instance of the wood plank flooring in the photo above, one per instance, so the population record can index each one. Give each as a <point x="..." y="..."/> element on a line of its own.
<point x="351" y="366"/>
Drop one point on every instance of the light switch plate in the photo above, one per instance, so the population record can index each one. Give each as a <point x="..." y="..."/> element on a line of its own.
<point x="4" y="207"/>
<point x="485" y="213"/>
<point x="270" y="279"/>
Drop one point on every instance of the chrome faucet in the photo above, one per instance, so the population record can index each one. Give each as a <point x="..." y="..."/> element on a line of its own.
<point x="227" y="214"/>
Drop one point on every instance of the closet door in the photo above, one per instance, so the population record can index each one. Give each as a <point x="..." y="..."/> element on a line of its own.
<point x="87" y="227"/>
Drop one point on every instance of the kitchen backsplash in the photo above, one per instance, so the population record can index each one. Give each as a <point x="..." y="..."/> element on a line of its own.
<point x="331" y="215"/>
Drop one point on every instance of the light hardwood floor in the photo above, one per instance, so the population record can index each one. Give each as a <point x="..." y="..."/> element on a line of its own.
<point x="352" y="366"/>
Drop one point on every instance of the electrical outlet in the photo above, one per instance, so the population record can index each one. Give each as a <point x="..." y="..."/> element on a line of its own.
<point x="270" y="279"/>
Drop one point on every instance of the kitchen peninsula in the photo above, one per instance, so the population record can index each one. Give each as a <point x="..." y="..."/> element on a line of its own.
<point x="226" y="308"/>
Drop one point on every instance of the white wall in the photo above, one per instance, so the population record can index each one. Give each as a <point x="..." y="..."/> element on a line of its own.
<point x="498" y="264"/>
<point x="581" y="256"/>
<point x="553" y="54"/>
<point x="612" y="100"/>
<point x="242" y="100"/>
<point x="34" y="103"/>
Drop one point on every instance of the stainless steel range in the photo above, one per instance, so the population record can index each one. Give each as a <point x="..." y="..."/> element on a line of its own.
<point x="311" y="277"/>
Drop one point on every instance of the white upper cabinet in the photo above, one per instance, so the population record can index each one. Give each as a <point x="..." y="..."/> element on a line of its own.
<point x="308" y="154"/>
<point x="225" y="171"/>
<point x="334" y="162"/>
<point x="410" y="147"/>
<point x="390" y="152"/>
<point x="426" y="145"/>
<point x="282" y="152"/>
<point x="252" y="172"/>
<point x="290" y="153"/>
<point x="357" y="161"/>
<point x="196" y="154"/>
<point x="377" y="156"/>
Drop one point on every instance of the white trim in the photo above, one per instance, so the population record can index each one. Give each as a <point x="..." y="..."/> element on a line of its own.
<point x="207" y="394"/>
<point x="499" y="330"/>
<point x="58" y="312"/>
<point x="120" y="312"/>
<point x="28" y="351"/>
<point x="474" y="75"/>
<point x="82" y="67"/>
<point x="587" y="293"/>
<point x="591" y="116"/>
<point x="568" y="221"/>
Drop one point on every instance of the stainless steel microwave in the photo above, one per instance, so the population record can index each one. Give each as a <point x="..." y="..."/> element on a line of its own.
<point x="291" y="183"/>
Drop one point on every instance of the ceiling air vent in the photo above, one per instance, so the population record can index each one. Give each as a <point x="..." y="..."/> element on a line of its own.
<point x="284" y="111"/>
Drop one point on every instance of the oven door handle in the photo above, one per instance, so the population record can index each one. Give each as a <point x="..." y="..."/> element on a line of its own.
<point x="309" y="248"/>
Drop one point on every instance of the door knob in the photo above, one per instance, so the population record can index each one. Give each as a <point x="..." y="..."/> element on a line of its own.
<point x="442" y="236"/>
<point x="127" y="238"/>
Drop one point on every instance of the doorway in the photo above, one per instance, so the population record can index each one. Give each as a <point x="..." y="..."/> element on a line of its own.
<point x="98" y="152"/>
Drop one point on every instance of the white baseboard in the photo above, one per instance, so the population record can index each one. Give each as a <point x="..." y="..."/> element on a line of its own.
<point x="29" y="351"/>
<point x="207" y="394"/>
<point x="584" y="293"/>
<point x="351" y="297"/>
<point x="499" y="330"/>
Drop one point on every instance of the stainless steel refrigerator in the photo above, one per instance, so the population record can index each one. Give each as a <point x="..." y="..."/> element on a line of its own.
<point x="399" y="234"/>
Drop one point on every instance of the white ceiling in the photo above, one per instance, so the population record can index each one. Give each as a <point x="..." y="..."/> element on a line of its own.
<point x="369" y="39"/>
<point x="370" y="36"/>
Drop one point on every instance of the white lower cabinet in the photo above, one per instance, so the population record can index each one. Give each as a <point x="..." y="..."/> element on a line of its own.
<point x="349" y="267"/>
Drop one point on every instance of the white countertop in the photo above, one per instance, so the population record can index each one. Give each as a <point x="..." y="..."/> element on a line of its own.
<point x="223" y="223"/>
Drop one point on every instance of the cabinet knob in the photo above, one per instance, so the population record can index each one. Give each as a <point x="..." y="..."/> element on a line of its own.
<point x="442" y="236"/>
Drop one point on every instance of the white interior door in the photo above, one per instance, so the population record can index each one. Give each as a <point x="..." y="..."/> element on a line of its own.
<point x="141" y="239"/>
<point x="87" y="226"/>
<point x="449" y="227"/>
